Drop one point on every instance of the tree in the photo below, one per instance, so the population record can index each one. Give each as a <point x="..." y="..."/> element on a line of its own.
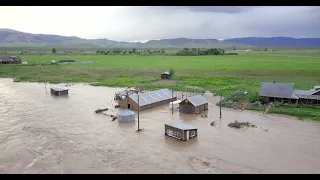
<point x="171" y="73"/>
<point x="162" y="51"/>
<point x="134" y="50"/>
<point x="54" y="50"/>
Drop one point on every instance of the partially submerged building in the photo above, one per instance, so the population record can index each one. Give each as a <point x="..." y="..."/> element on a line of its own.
<point x="147" y="99"/>
<point x="59" y="91"/>
<point x="285" y="93"/>
<point x="10" y="60"/>
<point x="180" y="131"/>
<point x="193" y="105"/>
<point x="174" y="104"/>
<point x="126" y="116"/>
<point x="165" y="75"/>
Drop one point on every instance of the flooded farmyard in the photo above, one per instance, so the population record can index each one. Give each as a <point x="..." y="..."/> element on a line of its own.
<point x="41" y="133"/>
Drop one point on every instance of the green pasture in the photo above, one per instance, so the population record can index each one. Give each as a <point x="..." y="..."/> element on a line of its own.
<point x="243" y="72"/>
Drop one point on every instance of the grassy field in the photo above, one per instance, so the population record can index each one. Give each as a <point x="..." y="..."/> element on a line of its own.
<point x="243" y="72"/>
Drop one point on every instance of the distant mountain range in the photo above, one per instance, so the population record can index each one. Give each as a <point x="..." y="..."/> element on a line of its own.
<point x="12" y="38"/>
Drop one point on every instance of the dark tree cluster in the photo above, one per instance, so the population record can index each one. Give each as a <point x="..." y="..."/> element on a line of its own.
<point x="133" y="51"/>
<point x="200" y="52"/>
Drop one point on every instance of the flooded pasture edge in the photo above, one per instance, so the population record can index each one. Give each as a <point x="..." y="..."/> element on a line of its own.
<point x="40" y="133"/>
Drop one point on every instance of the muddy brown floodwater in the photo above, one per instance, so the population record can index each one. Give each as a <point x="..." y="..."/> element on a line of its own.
<point x="40" y="133"/>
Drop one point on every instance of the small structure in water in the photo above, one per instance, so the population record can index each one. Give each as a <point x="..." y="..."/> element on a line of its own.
<point x="180" y="131"/>
<point x="59" y="91"/>
<point x="193" y="105"/>
<point x="175" y="104"/>
<point x="126" y="116"/>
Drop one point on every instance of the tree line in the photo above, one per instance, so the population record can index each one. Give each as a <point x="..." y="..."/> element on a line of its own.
<point x="200" y="52"/>
<point x="133" y="51"/>
<point x="184" y="52"/>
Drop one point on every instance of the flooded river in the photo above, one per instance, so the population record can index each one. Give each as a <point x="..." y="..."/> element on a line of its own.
<point x="40" y="133"/>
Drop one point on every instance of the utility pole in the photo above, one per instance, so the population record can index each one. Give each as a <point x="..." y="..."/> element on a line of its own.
<point x="138" y="113"/>
<point x="172" y="103"/>
<point x="45" y="85"/>
<point x="220" y="103"/>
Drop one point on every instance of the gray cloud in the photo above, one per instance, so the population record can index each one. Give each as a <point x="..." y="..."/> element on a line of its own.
<point x="222" y="22"/>
<point x="224" y="9"/>
<point x="159" y="22"/>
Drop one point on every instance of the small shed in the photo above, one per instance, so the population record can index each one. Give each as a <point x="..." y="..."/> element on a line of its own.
<point x="193" y="105"/>
<point x="180" y="131"/>
<point x="165" y="75"/>
<point x="174" y="104"/>
<point x="59" y="91"/>
<point x="126" y="116"/>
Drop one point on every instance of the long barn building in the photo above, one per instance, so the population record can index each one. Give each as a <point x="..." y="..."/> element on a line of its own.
<point x="147" y="100"/>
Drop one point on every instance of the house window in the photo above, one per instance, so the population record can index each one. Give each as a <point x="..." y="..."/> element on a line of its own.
<point x="193" y="133"/>
<point x="178" y="135"/>
<point x="174" y="134"/>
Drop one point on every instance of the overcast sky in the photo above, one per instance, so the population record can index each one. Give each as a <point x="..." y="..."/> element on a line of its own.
<point x="145" y="23"/>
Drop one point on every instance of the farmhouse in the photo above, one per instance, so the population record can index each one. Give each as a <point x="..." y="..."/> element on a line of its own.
<point x="10" y="60"/>
<point x="59" y="91"/>
<point x="180" y="131"/>
<point x="193" y="105"/>
<point x="165" y="75"/>
<point x="147" y="99"/>
<point x="285" y="93"/>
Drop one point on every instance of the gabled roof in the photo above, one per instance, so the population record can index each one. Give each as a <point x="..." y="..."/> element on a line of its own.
<point x="315" y="91"/>
<point x="167" y="73"/>
<point x="5" y="58"/>
<point x="151" y="97"/>
<point x="305" y="94"/>
<point x="180" y="125"/>
<point x="197" y="100"/>
<point x="279" y="90"/>
<point x="59" y="89"/>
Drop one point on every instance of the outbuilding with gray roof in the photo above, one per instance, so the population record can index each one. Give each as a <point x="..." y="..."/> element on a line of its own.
<point x="180" y="130"/>
<point x="193" y="105"/>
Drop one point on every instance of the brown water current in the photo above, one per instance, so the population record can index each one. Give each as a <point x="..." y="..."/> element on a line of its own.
<point x="40" y="133"/>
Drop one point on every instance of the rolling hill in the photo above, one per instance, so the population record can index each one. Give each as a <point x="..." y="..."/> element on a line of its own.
<point x="12" y="38"/>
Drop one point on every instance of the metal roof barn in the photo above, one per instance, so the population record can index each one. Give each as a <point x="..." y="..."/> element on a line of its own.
<point x="279" y="90"/>
<point x="151" y="97"/>
<point x="126" y="116"/>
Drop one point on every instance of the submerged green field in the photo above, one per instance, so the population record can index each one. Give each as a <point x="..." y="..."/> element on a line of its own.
<point x="243" y="72"/>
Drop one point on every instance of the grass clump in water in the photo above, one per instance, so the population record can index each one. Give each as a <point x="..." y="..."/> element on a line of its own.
<point x="238" y="125"/>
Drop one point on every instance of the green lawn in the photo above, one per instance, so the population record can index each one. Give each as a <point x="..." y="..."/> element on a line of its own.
<point x="229" y="73"/>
